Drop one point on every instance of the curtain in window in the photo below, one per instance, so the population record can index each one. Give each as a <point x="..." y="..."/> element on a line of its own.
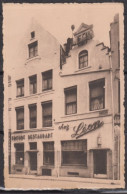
<point x="20" y="114"/>
<point x="47" y="109"/>
<point x="97" y="91"/>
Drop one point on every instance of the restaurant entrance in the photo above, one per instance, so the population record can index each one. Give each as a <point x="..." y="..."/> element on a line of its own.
<point x="100" y="163"/>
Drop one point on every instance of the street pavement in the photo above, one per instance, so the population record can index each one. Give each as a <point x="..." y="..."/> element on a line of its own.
<point x="44" y="182"/>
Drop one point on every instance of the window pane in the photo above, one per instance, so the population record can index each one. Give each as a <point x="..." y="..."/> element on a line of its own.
<point x="47" y="80"/>
<point x="19" y="154"/>
<point x="83" y="59"/>
<point x="48" y="148"/>
<point x="74" y="158"/>
<point x="71" y="96"/>
<point x="47" y="121"/>
<point x="48" y="158"/>
<point x="33" y="49"/>
<point x="97" y="104"/>
<point x="97" y="91"/>
<point x="33" y="116"/>
<point x="20" y="114"/>
<point x="47" y="110"/>
<point x="71" y="108"/>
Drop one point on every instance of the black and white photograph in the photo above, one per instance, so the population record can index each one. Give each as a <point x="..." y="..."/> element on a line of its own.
<point x="63" y="95"/>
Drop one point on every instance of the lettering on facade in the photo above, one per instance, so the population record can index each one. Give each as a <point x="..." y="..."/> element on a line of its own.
<point x="40" y="136"/>
<point x="18" y="138"/>
<point x="83" y="129"/>
<point x="64" y="127"/>
<point x="31" y="137"/>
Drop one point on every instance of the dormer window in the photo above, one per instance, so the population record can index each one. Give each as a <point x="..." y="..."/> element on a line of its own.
<point x="83" y="59"/>
<point x="32" y="34"/>
<point x="33" y="49"/>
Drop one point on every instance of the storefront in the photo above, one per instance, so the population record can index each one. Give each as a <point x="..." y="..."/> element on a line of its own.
<point x="83" y="149"/>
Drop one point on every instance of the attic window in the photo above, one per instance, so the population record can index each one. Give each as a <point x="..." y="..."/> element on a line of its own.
<point x="33" y="34"/>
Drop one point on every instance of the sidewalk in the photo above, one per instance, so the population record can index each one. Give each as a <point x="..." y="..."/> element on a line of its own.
<point x="70" y="179"/>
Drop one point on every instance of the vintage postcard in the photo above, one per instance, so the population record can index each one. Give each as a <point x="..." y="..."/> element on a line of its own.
<point x="63" y="95"/>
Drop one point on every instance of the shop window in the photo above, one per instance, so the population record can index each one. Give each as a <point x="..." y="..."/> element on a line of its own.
<point x="33" y="84"/>
<point x="97" y="94"/>
<point x="20" y="87"/>
<point x="74" y="152"/>
<point x="70" y="100"/>
<point x="19" y="153"/>
<point x="48" y="157"/>
<point x="33" y="145"/>
<point x="33" y="115"/>
<point x="20" y="118"/>
<point x="83" y="59"/>
<point x="47" y="114"/>
<point x="47" y="80"/>
<point x="33" y="49"/>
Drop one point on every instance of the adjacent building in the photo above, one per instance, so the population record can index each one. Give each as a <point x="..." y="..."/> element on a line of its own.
<point x="63" y="106"/>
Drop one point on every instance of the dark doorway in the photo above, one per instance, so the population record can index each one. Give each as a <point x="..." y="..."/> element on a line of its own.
<point x="100" y="161"/>
<point x="33" y="161"/>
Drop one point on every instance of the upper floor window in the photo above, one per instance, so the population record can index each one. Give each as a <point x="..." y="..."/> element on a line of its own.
<point x="20" y="87"/>
<point x="47" y="80"/>
<point x="33" y="84"/>
<point x="47" y="114"/>
<point x="83" y="59"/>
<point x="70" y="100"/>
<point x="97" y="94"/>
<point x="33" y="49"/>
<point x="33" y="34"/>
<point x="20" y="118"/>
<point x="33" y="115"/>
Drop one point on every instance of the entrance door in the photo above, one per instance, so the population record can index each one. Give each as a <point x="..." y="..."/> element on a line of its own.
<point x="100" y="163"/>
<point x="33" y="161"/>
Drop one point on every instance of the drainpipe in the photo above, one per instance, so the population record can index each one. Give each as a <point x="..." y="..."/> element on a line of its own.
<point x="110" y="62"/>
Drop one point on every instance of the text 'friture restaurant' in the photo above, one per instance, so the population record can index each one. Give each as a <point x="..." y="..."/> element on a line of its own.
<point x="64" y="109"/>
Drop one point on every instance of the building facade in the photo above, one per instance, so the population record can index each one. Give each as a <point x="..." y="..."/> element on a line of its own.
<point x="61" y="107"/>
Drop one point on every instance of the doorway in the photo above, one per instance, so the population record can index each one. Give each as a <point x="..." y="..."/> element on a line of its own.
<point x="33" y="161"/>
<point x="100" y="163"/>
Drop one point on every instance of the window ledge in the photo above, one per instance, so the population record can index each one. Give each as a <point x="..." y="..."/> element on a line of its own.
<point x="32" y="58"/>
<point x="84" y="68"/>
<point x="95" y="111"/>
<point x="46" y="91"/>
<point x="33" y="130"/>
<point x="73" y="166"/>
<point x="35" y="95"/>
